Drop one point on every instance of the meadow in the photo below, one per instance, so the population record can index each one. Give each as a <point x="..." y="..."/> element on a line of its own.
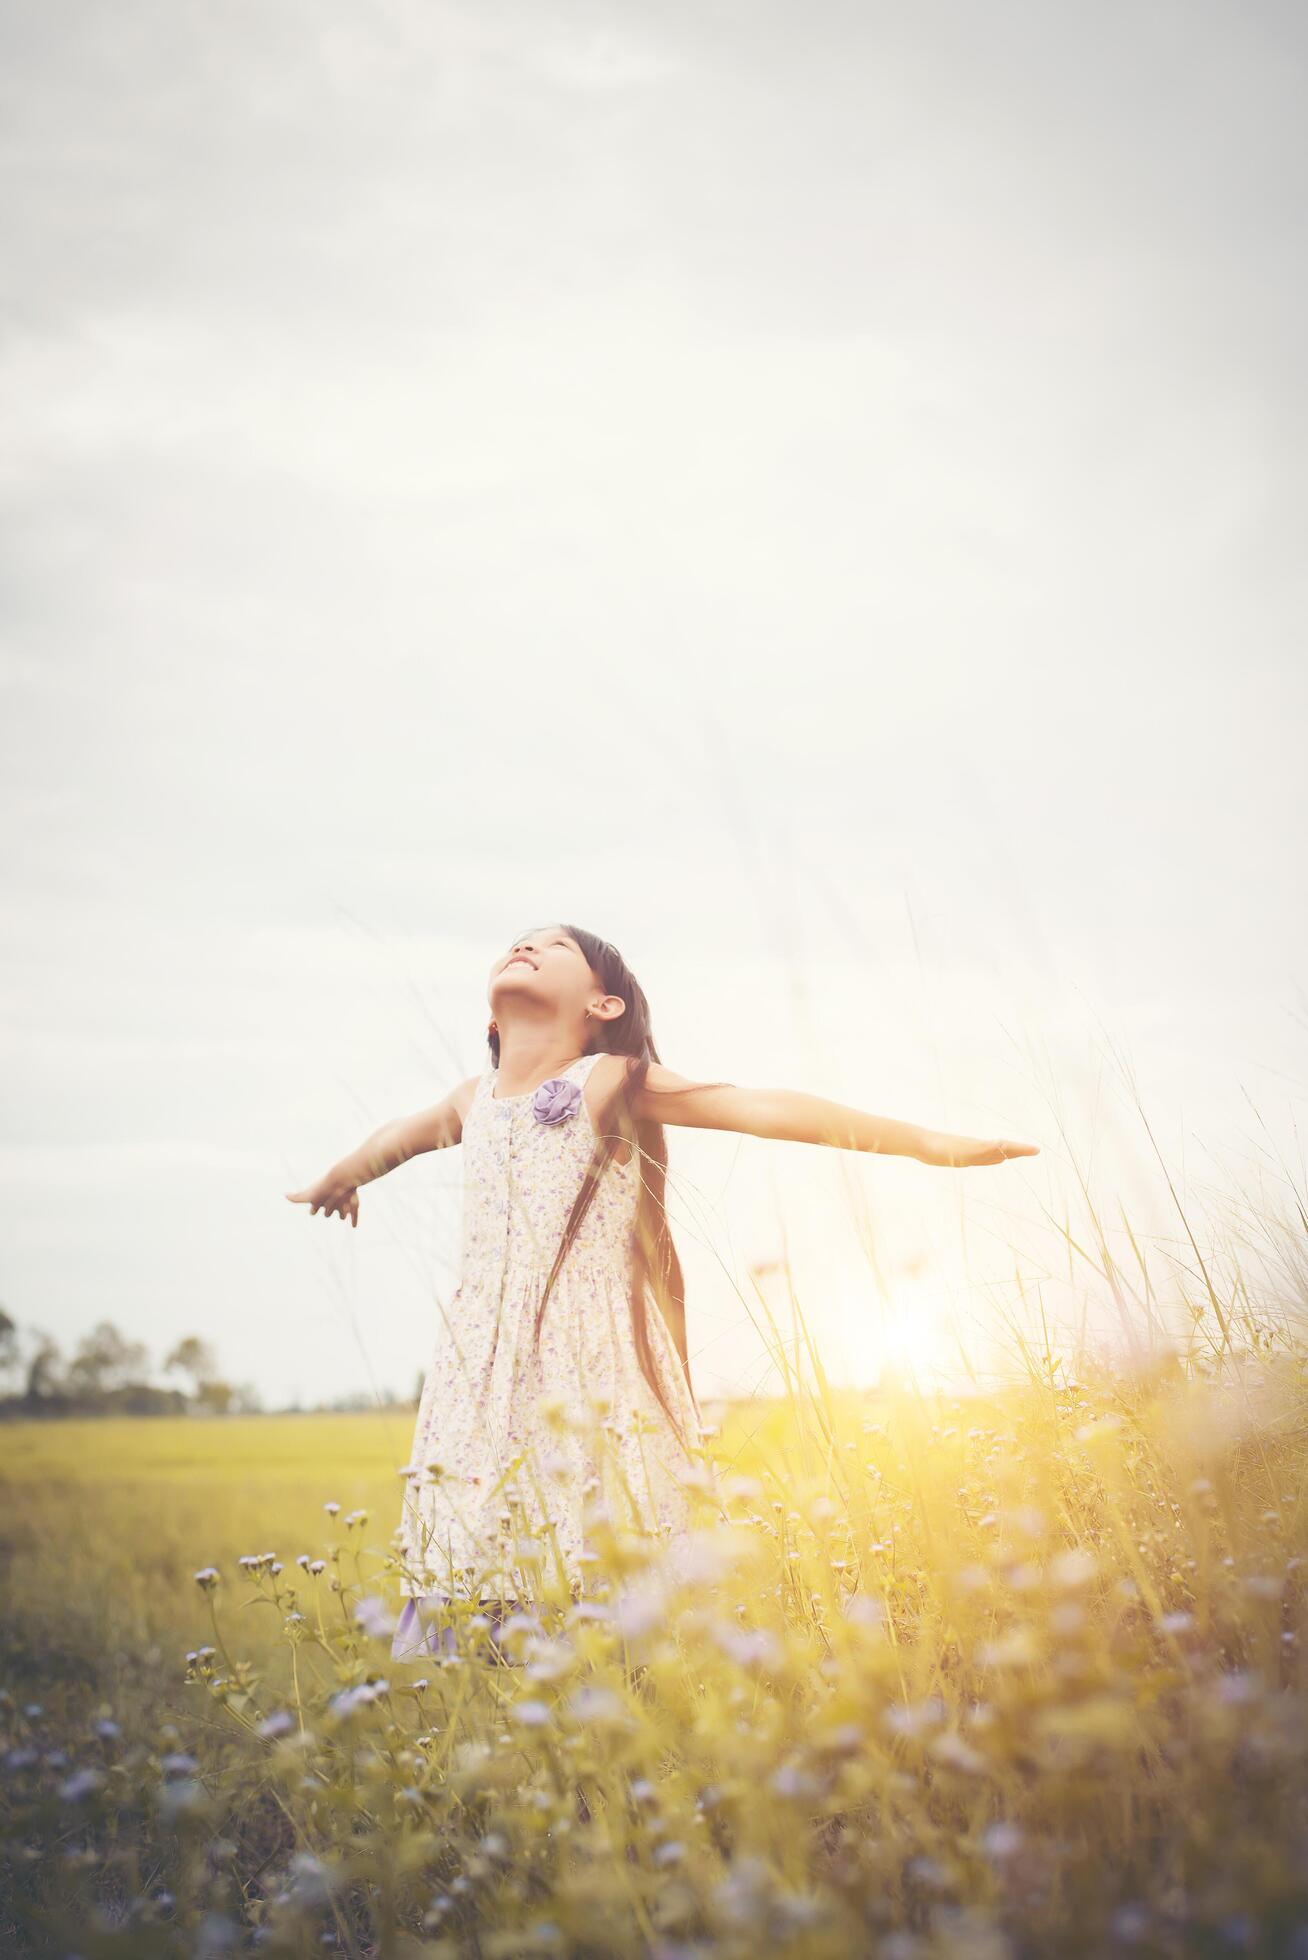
<point x="993" y="1676"/>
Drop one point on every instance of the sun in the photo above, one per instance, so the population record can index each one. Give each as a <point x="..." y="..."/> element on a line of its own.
<point x="905" y="1337"/>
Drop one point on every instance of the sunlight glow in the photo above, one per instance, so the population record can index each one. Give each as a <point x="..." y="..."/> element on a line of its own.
<point x="906" y="1337"/>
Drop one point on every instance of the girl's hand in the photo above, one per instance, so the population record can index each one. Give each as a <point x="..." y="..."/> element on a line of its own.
<point x="966" y="1153"/>
<point x="330" y="1197"/>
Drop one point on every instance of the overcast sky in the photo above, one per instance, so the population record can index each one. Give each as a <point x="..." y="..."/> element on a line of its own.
<point x="813" y="494"/>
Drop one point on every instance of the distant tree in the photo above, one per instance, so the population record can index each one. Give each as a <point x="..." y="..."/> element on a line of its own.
<point x="44" y="1369"/>
<point x="195" y="1358"/>
<point x="9" y="1357"/>
<point x="215" y="1397"/>
<point x="109" y="1375"/>
<point x="106" y="1360"/>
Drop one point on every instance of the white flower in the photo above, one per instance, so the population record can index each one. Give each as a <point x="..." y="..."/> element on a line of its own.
<point x="862" y="1610"/>
<point x="345" y="1703"/>
<point x="913" y="1717"/>
<point x="1074" y="1568"/>
<point x="638" y="1609"/>
<point x="603" y="1707"/>
<point x="531" y="1714"/>
<point x="373" y="1615"/>
<point x="754" y="1647"/>
<point x="1001" y="1840"/>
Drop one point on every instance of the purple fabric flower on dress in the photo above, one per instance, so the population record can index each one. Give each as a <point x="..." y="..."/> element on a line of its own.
<point x="556" y="1100"/>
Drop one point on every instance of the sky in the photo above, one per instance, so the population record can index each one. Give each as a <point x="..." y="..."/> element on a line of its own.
<point x="813" y="495"/>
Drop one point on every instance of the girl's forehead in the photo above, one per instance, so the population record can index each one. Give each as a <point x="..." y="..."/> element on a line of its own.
<point x="539" y="932"/>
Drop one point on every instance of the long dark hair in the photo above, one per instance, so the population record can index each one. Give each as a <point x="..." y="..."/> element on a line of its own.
<point x="655" y="1264"/>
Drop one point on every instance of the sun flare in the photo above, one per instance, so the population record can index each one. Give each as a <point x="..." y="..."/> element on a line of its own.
<point x="905" y="1337"/>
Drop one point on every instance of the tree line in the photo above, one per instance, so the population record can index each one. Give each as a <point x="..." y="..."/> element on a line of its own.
<point x="108" y="1374"/>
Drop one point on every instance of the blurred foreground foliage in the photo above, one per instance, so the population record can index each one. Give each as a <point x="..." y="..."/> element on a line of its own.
<point x="996" y="1675"/>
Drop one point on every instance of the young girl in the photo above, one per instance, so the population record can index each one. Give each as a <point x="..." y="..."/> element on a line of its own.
<point x="552" y="1382"/>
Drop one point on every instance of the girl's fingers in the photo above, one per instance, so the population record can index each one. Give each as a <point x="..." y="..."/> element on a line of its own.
<point x="337" y="1206"/>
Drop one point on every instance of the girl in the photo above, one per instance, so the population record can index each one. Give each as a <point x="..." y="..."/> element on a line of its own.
<point x="564" y="1228"/>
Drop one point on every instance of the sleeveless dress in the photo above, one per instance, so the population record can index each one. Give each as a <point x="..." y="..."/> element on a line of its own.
<point x="506" y="1468"/>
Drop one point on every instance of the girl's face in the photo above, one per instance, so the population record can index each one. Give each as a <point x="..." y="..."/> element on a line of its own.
<point x="545" y="968"/>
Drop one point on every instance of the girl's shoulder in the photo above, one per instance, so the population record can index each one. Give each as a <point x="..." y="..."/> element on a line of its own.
<point x="605" y="1071"/>
<point x="600" y="1086"/>
<point x="601" y="1076"/>
<point x="482" y="1086"/>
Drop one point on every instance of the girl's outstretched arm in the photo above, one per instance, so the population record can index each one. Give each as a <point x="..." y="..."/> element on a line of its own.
<point x="337" y="1191"/>
<point x="793" y="1117"/>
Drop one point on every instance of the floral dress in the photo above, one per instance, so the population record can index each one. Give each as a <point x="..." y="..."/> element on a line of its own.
<point x="516" y="1453"/>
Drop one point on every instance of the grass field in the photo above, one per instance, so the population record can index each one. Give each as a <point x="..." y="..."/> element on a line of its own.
<point x="105" y="1522"/>
<point x="995" y="1677"/>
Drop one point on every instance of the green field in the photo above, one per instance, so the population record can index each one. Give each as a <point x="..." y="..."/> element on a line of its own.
<point x="1011" y="1677"/>
<point x="106" y="1521"/>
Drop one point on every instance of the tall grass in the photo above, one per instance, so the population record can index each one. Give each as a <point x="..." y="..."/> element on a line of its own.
<point x="1007" y="1673"/>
